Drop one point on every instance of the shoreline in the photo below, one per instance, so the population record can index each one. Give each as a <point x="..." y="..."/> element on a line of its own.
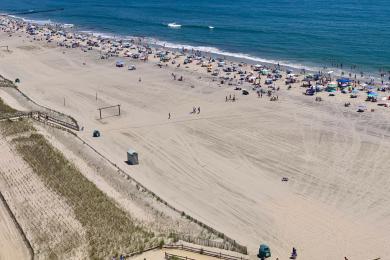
<point x="213" y="52"/>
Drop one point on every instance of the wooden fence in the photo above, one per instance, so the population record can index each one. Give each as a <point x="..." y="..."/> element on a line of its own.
<point x="202" y="251"/>
<point x="227" y="245"/>
<point x="41" y="117"/>
<point x="175" y="257"/>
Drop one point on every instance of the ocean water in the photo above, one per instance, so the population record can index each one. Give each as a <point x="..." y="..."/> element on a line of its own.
<point x="311" y="33"/>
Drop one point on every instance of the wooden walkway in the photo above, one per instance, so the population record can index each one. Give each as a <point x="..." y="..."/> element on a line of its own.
<point x="41" y="117"/>
<point x="202" y="251"/>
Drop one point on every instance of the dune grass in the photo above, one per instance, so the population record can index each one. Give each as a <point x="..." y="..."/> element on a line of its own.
<point x="4" y="108"/>
<point x="14" y="128"/>
<point x="6" y="83"/>
<point x="109" y="229"/>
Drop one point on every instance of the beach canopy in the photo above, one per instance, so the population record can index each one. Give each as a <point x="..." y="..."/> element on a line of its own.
<point x="264" y="71"/>
<point x="343" y="80"/>
<point x="372" y="94"/>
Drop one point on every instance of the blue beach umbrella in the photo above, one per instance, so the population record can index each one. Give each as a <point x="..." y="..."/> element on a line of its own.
<point x="343" y="80"/>
<point x="372" y="94"/>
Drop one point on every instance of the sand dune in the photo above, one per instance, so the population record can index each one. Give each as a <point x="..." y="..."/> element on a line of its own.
<point x="224" y="166"/>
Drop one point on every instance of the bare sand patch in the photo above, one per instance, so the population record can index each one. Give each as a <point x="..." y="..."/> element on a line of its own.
<point x="12" y="245"/>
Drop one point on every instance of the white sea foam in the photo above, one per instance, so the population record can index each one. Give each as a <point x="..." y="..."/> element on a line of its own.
<point x="101" y="35"/>
<point x="68" y="25"/>
<point x="174" y="25"/>
<point x="39" y="22"/>
<point x="43" y="22"/>
<point x="238" y="55"/>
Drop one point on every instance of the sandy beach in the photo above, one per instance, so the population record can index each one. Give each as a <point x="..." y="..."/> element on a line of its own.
<point x="225" y="164"/>
<point x="11" y="243"/>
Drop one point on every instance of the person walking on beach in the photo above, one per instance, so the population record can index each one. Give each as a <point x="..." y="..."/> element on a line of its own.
<point x="198" y="110"/>
<point x="169" y="115"/>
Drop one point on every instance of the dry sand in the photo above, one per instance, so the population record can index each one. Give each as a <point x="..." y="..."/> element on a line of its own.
<point x="224" y="166"/>
<point x="11" y="242"/>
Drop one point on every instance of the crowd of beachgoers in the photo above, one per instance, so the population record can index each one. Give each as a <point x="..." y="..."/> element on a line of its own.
<point x="260" y="78"/>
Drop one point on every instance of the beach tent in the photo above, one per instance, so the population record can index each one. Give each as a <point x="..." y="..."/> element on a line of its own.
<point x="264" y="252"/>
<point x="354" y="93"/>
<point x="343" y="82"/>
<point x="361" y="108"/>
<point x="319" y="88"/>
<point x="268" y="81"/>
<point x="264" y="71"/>
<point x="96" y="133"/>
<point x="132" y="157"/>
<point x="120" y="64"/>
<point x="310" y="92"/>
<point x="331" y="87"/>
<point x="126" y="45"/>
<point x="257" y="67"/>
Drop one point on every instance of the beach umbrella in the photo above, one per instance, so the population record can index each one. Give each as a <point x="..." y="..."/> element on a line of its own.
<point x="372" y="94"/>
<point x="343" y="80"/>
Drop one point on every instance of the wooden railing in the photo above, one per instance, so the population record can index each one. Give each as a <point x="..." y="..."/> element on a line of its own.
<point x="227" y="244"/>
<point x="174" y="257"/>
<point x="41" y="117"/>
<point x="202" y="251"/>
